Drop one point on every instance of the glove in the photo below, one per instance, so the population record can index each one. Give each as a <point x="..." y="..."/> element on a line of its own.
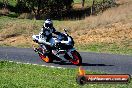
<point x="35" y="41"/>
<point x="57" y="44"/>
<point x="52" y="45"/>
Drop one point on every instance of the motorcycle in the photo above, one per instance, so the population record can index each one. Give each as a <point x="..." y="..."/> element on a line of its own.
<point x="63" y="50"/>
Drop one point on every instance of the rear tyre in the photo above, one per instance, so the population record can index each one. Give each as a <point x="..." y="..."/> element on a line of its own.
<point x="46" y="58"/>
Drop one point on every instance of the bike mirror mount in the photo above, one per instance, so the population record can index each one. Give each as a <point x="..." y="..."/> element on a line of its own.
<point x="65" y="30"/>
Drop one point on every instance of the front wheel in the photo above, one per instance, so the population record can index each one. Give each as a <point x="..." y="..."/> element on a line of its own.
<point x="76" y="60"/>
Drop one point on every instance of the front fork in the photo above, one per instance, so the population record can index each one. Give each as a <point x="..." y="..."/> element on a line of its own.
<point x="70" y="52"/>
<point x="39" y="51"/>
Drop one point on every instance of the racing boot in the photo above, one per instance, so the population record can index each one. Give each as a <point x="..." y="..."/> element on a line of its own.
<point x="38" y="50"/>
<point x="46" y="52"/>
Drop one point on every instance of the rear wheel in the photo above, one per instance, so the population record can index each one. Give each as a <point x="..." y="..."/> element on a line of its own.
<point x="46" y="58"/>
<point x="76" y="60"/>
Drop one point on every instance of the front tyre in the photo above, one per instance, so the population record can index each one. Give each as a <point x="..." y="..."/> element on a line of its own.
<point x="76" y="60"/>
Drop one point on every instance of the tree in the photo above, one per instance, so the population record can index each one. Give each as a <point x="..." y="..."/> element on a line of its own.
<point x="50" y="8"/>
<point x="5" y="2"/>
<point x="21" y="6"/>
<point x="83" y="2"/>
<point x="44" y="8"/>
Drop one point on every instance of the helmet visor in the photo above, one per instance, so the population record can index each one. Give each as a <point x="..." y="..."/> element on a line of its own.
<point x="48" y="25"/>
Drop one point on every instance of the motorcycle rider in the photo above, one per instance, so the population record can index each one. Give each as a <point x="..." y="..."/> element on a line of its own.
<point x="45" y="35"/>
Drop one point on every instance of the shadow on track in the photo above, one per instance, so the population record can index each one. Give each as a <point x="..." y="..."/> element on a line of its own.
<point x="83" y="64"/>
<point x="88" y="64"/>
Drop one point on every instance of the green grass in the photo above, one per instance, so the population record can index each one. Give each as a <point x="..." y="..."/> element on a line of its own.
<point x="105" y="48"/>
<point x="12" y="27"/>
<point x="6" y="22"/>
<point x="14" y="75"/>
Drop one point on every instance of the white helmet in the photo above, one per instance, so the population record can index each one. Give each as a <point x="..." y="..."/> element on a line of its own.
<point x="48" y="23"/>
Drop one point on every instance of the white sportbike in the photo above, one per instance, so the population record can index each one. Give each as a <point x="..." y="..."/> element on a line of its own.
<point x="63" y="50"/>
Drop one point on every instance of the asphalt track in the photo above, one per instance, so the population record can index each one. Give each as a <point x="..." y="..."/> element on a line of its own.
<point x="108" y="63"/>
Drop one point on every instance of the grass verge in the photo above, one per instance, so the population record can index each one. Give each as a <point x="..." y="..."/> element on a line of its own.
<point x="14" y="75"/>
<point x="105" y="48"/>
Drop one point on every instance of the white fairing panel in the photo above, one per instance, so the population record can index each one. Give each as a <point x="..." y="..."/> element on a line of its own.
<point x="35" y="37"/>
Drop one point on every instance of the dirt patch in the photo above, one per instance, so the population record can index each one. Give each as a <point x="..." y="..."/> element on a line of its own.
<point x="118" y="33"/>
<point x="114" y="26"/>
<point x="20" y="41"/>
